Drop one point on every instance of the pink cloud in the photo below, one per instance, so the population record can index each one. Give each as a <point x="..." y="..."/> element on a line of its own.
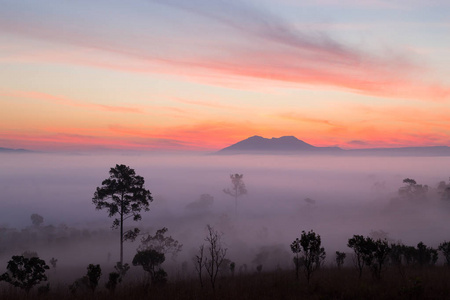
<point x="70" y="102"/>
<point x="267" y="49"/>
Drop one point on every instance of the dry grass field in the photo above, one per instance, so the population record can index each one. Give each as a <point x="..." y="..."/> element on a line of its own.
<point x="326" y="283"/>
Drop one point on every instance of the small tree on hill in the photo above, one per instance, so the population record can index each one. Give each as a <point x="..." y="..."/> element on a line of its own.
<point x="25" y="272"/>
<point x="312" y="254"/>
<point x="123" y="194"/>
<point x="238" y="187"/>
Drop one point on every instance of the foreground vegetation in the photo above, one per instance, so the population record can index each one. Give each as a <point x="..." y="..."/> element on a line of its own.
<point x="328" y="283"/>
<point x="392" y="270"/>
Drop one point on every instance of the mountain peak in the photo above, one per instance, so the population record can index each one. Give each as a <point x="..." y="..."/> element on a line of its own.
<point x="257" y="143"/>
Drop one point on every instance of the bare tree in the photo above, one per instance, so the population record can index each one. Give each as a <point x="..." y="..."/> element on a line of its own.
<point x="215" y="254"/>
<point x="238" y="187"/>
<point x="199" y="263"/>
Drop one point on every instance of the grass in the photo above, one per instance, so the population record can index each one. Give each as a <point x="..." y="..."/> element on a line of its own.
<point x="326" y="283"/>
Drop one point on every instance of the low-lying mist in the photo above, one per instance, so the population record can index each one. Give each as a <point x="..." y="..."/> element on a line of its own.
<point x="336" y="197"/>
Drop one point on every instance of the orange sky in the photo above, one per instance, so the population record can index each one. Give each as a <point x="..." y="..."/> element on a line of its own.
<point x="201" y="75"/>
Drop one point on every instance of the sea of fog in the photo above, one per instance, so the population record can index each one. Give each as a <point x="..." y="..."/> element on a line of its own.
<point x="336" y="197"/>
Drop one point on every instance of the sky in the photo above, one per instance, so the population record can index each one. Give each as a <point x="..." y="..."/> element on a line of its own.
<point x="200" y="75"/>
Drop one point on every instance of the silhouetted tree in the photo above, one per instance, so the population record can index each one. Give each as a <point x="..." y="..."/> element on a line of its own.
<point x="412" y="190"/>
<point x="312" y="254"/>
<point x="238" y="187"/>
<point x="444" y="190"/>
<point x="89" y="281"/>
<point x="161" y="243"/>
<point x="215" y="254"/>
<point x="37" y="220"/>
<point x="123" y="194"/>
<point x="369" y="252"/>
<point x="53" y="262"/>
<point x="359" y="245"/>
<point x="445" y="249"/>
<point x="25" y="272"/>
<point x="94" y="272"/>
<point x="232" y="268"/>
<point x="151" y="260"/>
<point x="425" y="255"/>
<point x="340" y="257"/>
<point x="380" y="249"/>
<point x="113" y="281"/>
<point x="199" y="263"/>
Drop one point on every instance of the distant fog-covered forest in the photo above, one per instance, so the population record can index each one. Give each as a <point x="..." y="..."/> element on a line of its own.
<point x="47" y="208"/>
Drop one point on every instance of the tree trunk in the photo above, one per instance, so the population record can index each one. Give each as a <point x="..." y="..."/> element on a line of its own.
<point x="121" y="231"/>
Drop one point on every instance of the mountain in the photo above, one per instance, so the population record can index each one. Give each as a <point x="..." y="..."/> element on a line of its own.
<point x="282" y="144"/>
<point x="9" y="150"/>
<point x="292" y="145"/>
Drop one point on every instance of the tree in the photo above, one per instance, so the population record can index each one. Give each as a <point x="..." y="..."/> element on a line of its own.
<point x="412" y="190"/>
<point x="380" y="249"/>
<point x="36" y="219"/>
<point x="445" y="249"/>
<point x="93" y="274"/>
<point x="296" y="249"/>
<point x="359" y="245"/>
<point x="340" y="257"/>
<point x="199" y="263"/>
<point x="425" y="255"/>
<point x="113" y="280"/>
<point x="369" y="252"/>
<point x="89" y="281"/>
<point x="151" y="260"/>
<point x="25" y="272"/>
<point x="238" y="187"/>
<point x="312" y="254"/>
<point x="123" y="194"/>
<point x="53" y="262"/>
<point x="215" y="254"/>
<point x="161" y="243"/>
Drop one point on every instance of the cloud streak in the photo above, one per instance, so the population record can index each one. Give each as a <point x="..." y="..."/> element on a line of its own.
<point x="265" y="47"/>
<point x="70" y="102"/>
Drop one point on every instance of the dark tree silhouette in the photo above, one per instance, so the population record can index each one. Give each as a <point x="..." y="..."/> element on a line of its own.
<point x="151" y="260"/>
<point x="123" y="194"/>
<point x="215" y="254"/>
<point x="312" y="254"/>
<point x="161" y="243"/>
<point x="36" y="219"/>
<point x="199" y="263"/>
<point x="370" y="252"/>
<point x="25" y="272"/>
<point x="89" y="281"/>
<point x="340" y="257"/>
<point x="444" y="247"/>
<point x="412" y="190"/>
<point x="358" y="244"/>
<point x="238" y="187"/>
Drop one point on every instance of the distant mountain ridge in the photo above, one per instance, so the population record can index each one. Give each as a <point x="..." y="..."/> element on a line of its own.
<point x="290" y="144"/>
<point x="283" y="144"/>
<point x="9" y="150"/>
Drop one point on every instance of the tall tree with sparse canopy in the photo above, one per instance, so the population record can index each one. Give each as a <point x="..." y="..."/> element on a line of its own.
<point x="123" y="194"/>
<point x="238" y="187"/>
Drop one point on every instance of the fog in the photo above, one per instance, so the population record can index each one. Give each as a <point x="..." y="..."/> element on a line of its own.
<point x="336" y="197"/>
